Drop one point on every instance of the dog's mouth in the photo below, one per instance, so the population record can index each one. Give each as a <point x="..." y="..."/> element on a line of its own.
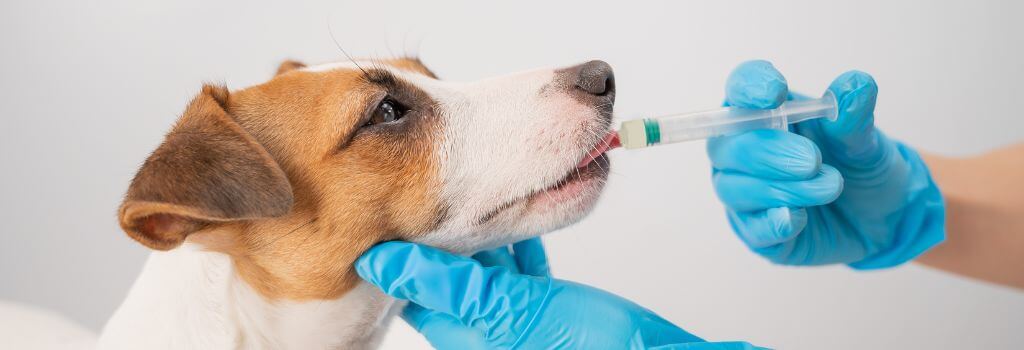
<point x="593" y="164"/>
<point x="588" y="175"/>
<point x="609" y="142"/>
<point x="593" y="167"/>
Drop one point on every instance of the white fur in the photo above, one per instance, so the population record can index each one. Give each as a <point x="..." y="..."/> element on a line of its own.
<point x="187" y="298"/>
<point x="504" y="139"/>
<point x="338" y="65"/>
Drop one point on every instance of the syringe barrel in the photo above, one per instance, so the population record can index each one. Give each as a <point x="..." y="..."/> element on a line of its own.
<point x="799" y="110"/>
<point x="725" y="121"/>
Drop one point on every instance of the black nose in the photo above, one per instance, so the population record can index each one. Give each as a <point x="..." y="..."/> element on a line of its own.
<point x="595" y="78"/>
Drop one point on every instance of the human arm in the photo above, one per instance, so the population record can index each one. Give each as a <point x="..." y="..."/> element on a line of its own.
<point x="984" y="216"/>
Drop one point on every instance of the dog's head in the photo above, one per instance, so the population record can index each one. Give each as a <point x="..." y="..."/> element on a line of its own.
<point x="295" y="177"/>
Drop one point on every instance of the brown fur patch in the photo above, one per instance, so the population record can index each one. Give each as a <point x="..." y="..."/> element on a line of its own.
<point x="288" y="66"/>
<point x="380" y="185"/>
<point x="207" y="170"/>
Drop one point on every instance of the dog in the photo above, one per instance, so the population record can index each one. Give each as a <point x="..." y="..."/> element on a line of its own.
<point x="259" y="200"/>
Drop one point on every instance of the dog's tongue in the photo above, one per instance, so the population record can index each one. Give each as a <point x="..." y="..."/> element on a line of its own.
<point x="609" y="142"/>
<point x="614" y="142"/>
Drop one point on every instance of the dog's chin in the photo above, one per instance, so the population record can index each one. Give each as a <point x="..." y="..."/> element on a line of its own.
<point x="557" y="206"/>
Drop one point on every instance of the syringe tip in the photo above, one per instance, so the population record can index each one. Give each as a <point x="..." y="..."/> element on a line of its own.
<point x="633" y="134"/>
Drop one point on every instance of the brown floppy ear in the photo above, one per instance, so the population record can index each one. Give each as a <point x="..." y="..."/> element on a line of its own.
<point x="288" y="66"/>
<point x="207" y="171"/>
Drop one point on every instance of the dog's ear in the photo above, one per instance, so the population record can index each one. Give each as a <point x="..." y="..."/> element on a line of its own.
<point x="288" y="66"/>
<point x="207" y="171"/>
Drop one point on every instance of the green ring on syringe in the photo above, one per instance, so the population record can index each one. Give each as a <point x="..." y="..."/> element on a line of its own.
<point x="639" y="133"/>
<point x="652" y="131"/>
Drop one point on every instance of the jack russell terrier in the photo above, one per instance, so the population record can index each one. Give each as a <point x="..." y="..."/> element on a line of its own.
<point x="259" y="200"/>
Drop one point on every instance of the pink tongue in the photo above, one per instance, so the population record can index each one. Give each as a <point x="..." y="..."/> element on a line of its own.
<point x="610" y="142"/>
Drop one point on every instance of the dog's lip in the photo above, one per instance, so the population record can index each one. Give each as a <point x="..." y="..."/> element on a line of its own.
<point x="609" y="142"/>
<point x="580" y="172"/>
<point x="576" y="174"/>
<point x="582" y="169"/>
<point x="593" y="171"/>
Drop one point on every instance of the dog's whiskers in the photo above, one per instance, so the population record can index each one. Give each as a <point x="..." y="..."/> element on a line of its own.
<point x="343" y="52"/>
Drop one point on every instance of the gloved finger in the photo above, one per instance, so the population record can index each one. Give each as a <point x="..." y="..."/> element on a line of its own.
<point x="769" y="154"/>
<point x="531" y="258"/>
<point x="448" y="283"/>
<point x="763" y="228"/>
<point x="742" y="192"/>
<point x="497" y="257"/>
<point x="852" y="135"/>
<point x="417" y="316"/>
<point x="755" y="84"/>
<point x="442" y="330"/>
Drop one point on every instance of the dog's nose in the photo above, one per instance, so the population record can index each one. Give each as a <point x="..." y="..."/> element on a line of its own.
<point x="595" y="78"/>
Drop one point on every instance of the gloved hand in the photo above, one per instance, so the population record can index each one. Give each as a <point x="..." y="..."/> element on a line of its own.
<point x="830" y="192"/>
<point x="512" y="302"/>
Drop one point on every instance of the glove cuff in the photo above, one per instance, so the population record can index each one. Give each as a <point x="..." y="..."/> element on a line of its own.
<point x="922" y="224"/>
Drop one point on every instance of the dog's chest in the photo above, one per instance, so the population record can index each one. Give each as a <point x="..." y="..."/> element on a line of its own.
<point x="187" y="298"/>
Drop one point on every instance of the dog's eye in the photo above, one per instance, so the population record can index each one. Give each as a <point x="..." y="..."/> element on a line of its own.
<point x="387" y="111"/>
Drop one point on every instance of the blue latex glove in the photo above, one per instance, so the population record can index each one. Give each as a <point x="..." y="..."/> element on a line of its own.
<point x="459" y="303"/>
<point x="830" y="192"/>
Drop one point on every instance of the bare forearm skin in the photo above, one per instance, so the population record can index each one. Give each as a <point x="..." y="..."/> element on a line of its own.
<point x="984" y="198"/>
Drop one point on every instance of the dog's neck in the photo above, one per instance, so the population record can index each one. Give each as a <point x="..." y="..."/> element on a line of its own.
<point x="190" y="298"/>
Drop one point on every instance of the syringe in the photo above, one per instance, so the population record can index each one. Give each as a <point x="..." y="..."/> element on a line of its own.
<point x="639" y="133"/>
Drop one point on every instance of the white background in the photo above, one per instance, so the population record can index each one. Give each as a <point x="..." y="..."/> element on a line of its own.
<point x="89" y="87"/>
